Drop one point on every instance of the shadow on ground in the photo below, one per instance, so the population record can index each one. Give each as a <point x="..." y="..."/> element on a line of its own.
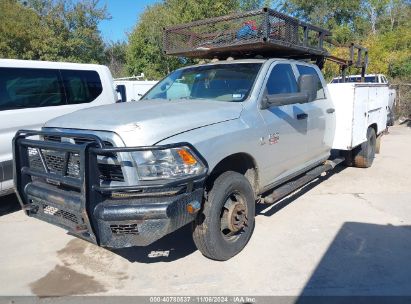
<point x="261" y="209"/>
<point x="9" y="204"/>
<point x="179" y="244"/>
<point x="172" y="247"/>
<point x="406" y="122"/>
<point x="363" y="260"/>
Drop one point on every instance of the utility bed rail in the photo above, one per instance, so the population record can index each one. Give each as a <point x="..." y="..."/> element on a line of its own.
<point x="262" y="32"/>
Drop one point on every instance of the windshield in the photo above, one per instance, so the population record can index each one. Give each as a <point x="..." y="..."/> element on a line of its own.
<point x="221" y="82"/>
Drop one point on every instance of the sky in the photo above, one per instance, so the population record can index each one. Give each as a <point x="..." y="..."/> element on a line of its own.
<point x="124" y="15"/>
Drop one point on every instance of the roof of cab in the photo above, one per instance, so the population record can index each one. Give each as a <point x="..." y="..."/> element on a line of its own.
<point x="249" y="60"/>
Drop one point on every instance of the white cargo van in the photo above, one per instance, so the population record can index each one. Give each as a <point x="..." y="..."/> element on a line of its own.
<point x="33" y="92"/>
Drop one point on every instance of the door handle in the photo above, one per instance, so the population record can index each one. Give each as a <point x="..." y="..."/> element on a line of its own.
<point x="302" y="116"/>
<point x="330" y="110"/>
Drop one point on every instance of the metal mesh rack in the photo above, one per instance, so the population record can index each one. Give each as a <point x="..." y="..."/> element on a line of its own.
<point x="262" y="32"/>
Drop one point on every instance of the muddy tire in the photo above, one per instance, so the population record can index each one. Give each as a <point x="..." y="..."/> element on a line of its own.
<point x="349" y="158"/>
<point x="364" y="155"/>
<point x="225" y="224"/>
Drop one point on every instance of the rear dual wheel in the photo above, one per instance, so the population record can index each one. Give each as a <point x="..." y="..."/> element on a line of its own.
<point x="225" y="225"/>
<point x="363" y="155"/>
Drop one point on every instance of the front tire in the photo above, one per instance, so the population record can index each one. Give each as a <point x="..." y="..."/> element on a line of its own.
<point x="225" y="224"/>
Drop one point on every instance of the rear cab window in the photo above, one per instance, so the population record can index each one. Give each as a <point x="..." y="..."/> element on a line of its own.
<point x="307" y="70"/>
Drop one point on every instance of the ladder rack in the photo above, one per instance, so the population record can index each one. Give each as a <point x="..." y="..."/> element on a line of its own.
<point x="260" y="33"/>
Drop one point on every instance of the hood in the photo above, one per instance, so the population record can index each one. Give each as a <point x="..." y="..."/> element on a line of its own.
<point x="147" y="122"/>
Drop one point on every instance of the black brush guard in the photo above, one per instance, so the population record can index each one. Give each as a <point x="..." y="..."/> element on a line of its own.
<point x="112" y="216"/>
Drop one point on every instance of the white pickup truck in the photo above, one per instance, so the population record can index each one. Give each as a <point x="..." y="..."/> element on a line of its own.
<point x="205" y="143"/>
<point x="202" y="146"/>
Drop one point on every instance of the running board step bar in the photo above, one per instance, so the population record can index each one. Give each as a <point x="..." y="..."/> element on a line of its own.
<point x="295" y="184"/>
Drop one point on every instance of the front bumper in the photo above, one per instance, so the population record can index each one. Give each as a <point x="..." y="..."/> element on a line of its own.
<point x="113" y="217"/>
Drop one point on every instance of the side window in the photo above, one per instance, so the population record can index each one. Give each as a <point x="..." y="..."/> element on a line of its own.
<point x="306" y="70"/>
<point x="282" y="80"/>
<point x="30" y="88"/>
<point x="81" y="86"/>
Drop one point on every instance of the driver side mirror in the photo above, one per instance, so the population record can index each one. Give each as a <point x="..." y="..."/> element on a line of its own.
<point x="307" y="92"/>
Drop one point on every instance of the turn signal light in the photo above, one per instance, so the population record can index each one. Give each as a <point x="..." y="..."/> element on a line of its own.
<point x="193" y="207"/>
<point x="186" y="157"/>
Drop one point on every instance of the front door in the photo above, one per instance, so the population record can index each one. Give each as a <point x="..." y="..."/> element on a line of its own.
<point x="287" y="137"/>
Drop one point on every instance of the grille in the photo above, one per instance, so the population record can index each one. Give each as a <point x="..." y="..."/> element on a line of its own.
<point x="73" y="167"/>
<point x="34" y="159"/>
<point x="124" y="229"/>
<point x="55" y="160"/>
<point x="111" y="172"/>
<point x="249" y="34"/>
<point x="53" y="211"/>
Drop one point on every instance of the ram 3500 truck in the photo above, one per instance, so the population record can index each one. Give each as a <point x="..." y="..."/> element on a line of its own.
<point x="202" y="146"/>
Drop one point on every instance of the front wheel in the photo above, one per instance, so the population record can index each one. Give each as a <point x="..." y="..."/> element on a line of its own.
<point x="225" y="225"/>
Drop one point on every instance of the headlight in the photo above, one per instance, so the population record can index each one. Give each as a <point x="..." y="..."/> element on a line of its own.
<point x="172" y="163"/>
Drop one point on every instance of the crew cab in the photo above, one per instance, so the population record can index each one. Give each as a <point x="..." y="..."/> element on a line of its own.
<point x="202" y="146"/>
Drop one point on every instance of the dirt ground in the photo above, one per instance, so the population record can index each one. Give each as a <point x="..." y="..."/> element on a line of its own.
<point x="348" y="233"/>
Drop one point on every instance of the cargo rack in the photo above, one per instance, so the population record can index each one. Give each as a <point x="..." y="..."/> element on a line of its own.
<point x="262" y="33"/>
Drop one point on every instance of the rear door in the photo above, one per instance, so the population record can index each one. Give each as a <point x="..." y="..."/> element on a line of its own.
<point x="321" y="117"/>
<point x="287" y="137"/>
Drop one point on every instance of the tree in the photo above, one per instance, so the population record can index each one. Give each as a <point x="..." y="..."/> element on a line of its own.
<point x="115" y="53"/>
<point x="374" y="9"/>
<point x="20" y="31"/>
<point x="54" y="30"/>
<point x="323" y="12"/>
<point x="144" y="53"/>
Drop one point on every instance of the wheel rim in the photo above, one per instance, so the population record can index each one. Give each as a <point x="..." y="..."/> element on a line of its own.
<point x="233" y="217"/>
